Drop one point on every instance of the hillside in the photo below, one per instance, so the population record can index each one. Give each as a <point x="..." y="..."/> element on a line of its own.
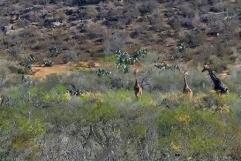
<point x="120" y="80"/>
<point x="64" y="31"/>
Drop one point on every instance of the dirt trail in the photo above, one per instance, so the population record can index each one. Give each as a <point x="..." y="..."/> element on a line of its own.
<point x="41" y="72"/>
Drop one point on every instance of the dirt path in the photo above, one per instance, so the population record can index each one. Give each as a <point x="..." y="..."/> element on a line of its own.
<point x="43" y="72"/>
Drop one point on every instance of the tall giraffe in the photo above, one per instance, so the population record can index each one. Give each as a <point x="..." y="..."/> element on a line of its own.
<point x="218" y="85"/>
<point x="186" y="89"/>
<point x="137" y="89"/>
<point x="138" y="85"/>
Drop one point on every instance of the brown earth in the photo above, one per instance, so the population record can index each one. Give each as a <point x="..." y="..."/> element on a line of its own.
<point x="40" y="72"/>
<point x="43" y="72"/>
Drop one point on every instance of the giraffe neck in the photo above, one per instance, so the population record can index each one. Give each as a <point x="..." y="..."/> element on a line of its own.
<point x="137" y="84"/>
<point x="213" y="76"/>
<point x="185" y="82"/>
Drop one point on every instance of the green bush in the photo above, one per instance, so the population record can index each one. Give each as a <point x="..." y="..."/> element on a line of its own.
<point x="22" y="128"/>
<point x="187" y="131"/>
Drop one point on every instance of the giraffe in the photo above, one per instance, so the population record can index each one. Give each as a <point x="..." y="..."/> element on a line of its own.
<point x="138" y="85"/>
<point x="219" y="87"/>
<point x="186" y="89"/>
<point x="137" y="89"/>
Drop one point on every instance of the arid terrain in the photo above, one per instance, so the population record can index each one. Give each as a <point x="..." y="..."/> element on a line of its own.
<point x="120" y="80"/>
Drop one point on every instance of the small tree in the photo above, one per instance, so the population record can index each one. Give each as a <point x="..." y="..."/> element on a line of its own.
<point x="124" y="59"/>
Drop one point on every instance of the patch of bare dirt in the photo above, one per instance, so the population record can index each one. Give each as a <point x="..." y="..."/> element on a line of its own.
<point x="40" y="72"/>
<point x="43" y="72"/>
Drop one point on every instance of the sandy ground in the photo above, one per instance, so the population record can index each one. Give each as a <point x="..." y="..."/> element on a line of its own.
<point x="43" y="72"/>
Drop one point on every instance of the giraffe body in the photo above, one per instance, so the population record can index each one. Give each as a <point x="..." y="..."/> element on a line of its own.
<point x="186" y="89"/>
<point x="217" y="83"/>
<point x="137" y="89"/>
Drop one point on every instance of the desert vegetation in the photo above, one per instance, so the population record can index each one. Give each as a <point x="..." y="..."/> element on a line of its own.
<point x="94" y="115"/>
<point x="121" y="80"/>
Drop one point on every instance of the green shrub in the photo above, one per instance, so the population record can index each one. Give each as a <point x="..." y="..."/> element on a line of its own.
<point x="100" y="113"/>
<point x="138" y="131"/>
<point x="188" y="131"/>
<point x="21" y="127"/>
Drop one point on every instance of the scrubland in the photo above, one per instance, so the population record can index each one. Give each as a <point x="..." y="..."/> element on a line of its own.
<point x="66" y="80"/>
<point x="41" y="120"/>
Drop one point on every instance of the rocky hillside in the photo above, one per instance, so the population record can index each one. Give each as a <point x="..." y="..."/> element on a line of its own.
<point x="85" y="57"/>
<point x="73" y="30"/>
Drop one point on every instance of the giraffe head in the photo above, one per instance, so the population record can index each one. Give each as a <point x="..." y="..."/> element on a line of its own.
<point x="185" y="73"/>
<point x="136" y="68"/>
<point x="206" y="68"/>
